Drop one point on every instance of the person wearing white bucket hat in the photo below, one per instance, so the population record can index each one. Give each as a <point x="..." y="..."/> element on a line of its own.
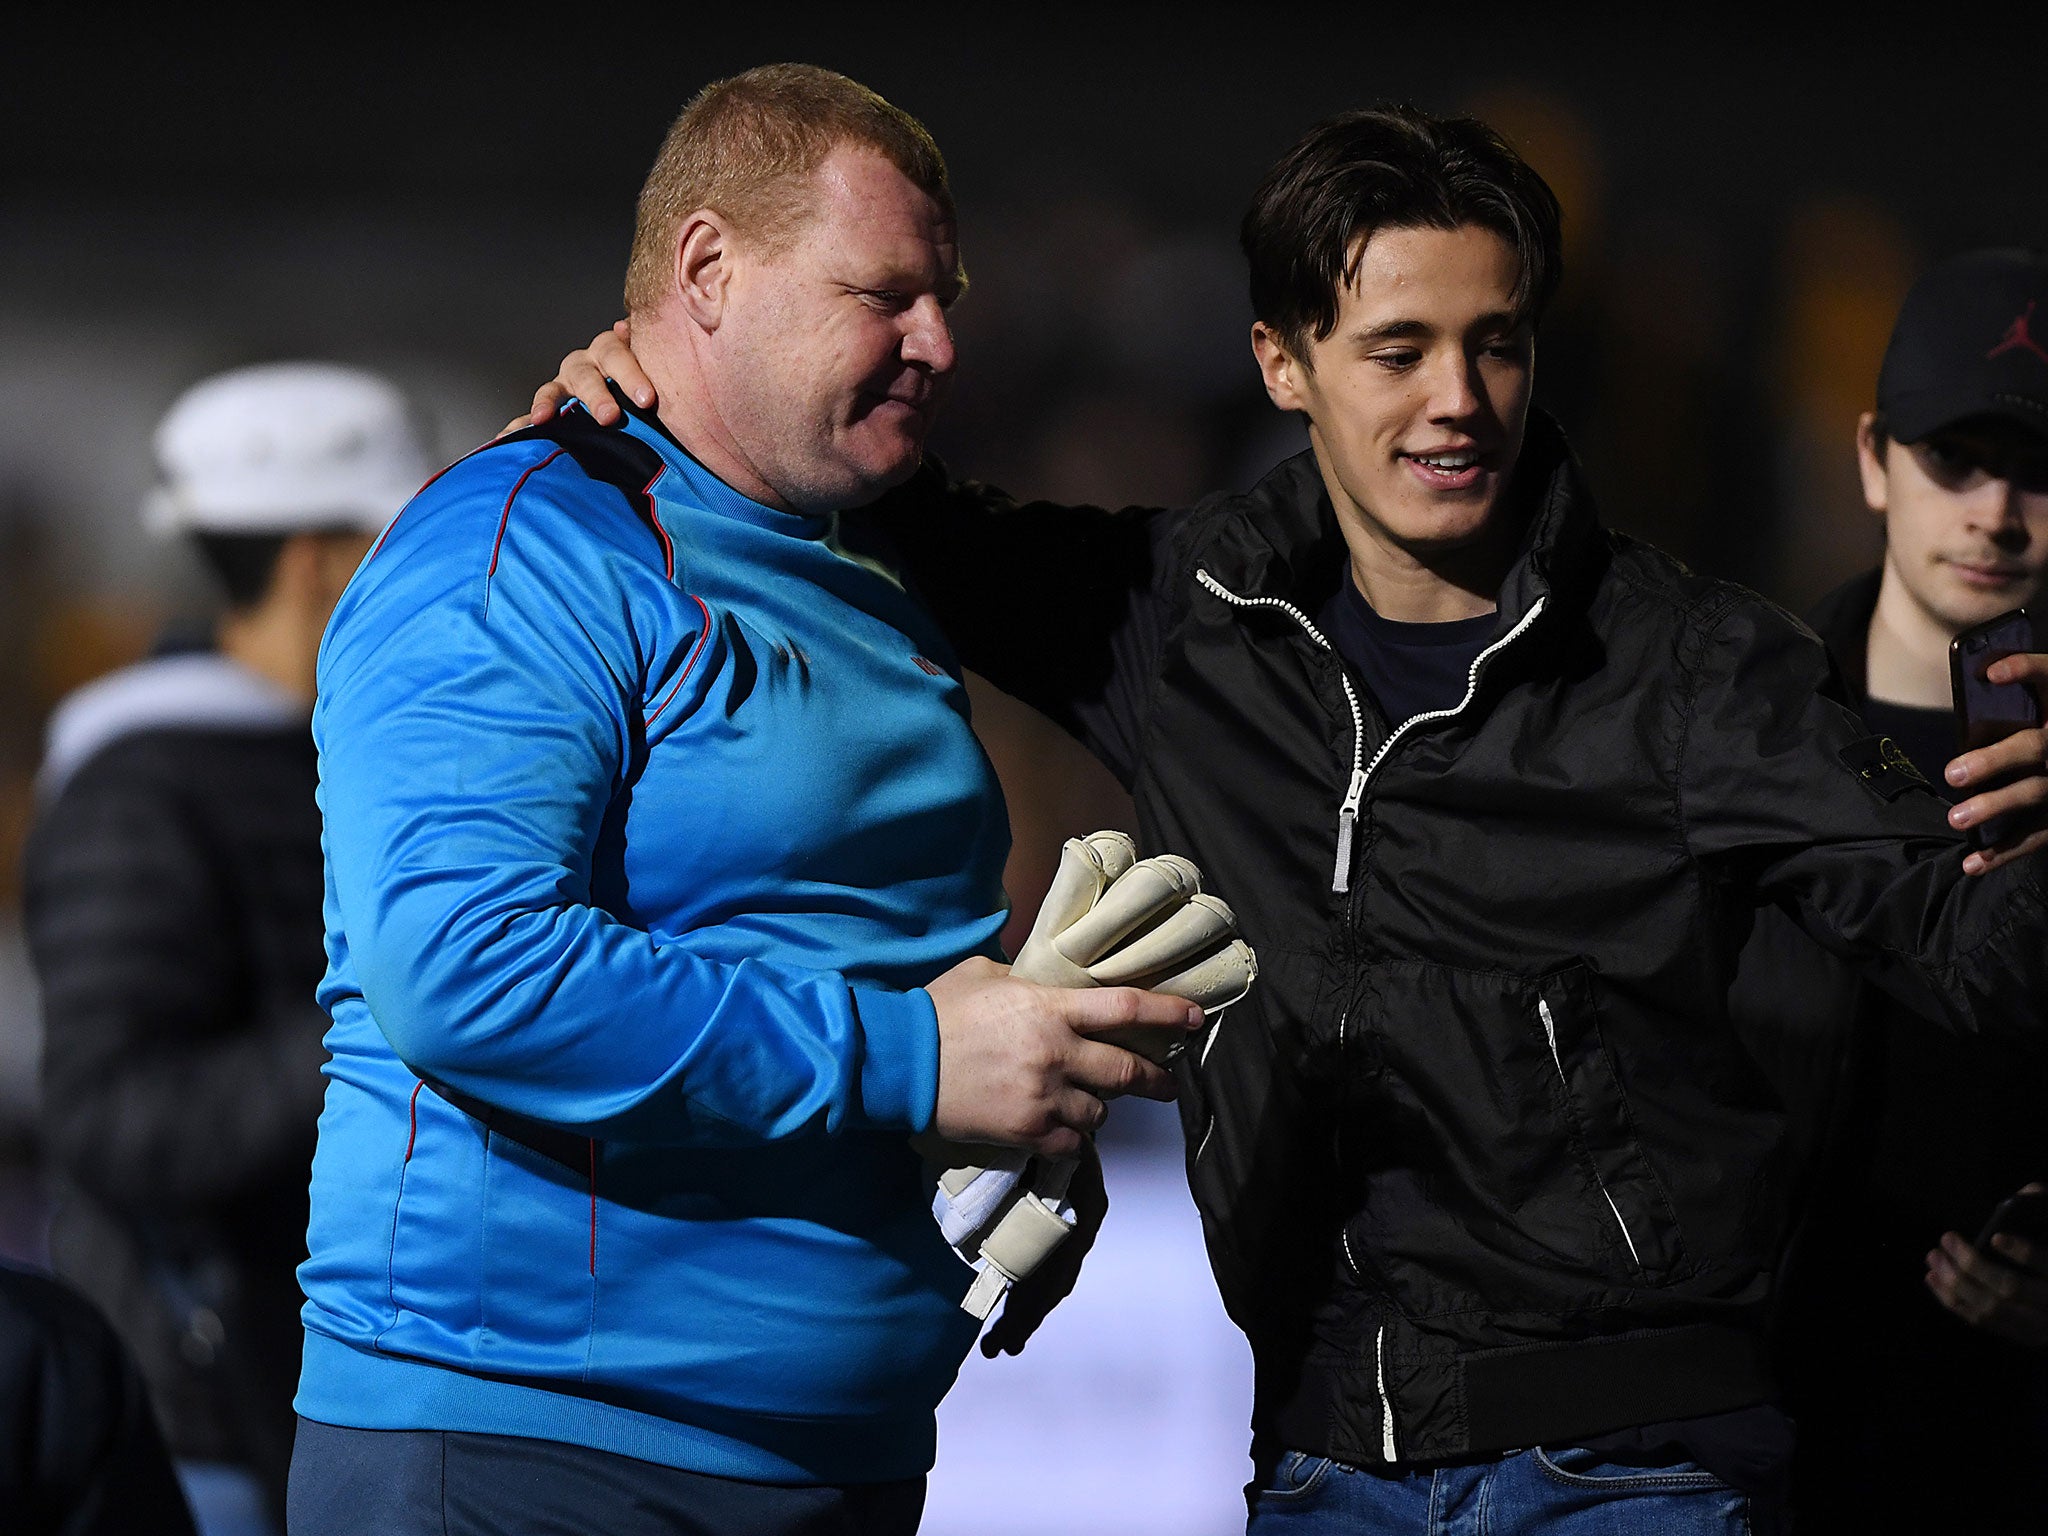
<point x="284" y="448"/>
<point x="173" y="912"/>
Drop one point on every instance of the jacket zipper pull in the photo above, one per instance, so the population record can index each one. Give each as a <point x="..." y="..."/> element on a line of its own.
<point x="1347" y="822"/>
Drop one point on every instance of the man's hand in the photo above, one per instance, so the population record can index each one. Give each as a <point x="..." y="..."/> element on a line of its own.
<point x="2022" y="756"/>
<point x="2006" y="1296"/>
<point x="583" y="374"/>
<point x="1028" y="1301"/>
<point x="1016" y="1066"/>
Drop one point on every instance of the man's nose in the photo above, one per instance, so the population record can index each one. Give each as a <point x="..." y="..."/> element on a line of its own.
<point x="1453" y="387"/>
<point x="1997" y="510"/>
<point x="927" y="338"/>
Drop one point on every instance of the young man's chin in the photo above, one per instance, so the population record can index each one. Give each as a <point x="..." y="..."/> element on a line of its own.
<point x="1445" y="525"/>
<point x="1973" y="601"/>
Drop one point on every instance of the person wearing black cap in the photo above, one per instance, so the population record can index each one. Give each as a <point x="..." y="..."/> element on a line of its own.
<point x="1915" y="1135"/>
<point x="1486" y="1177"/>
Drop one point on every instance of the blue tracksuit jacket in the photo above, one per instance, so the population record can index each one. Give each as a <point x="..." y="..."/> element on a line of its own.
<point x="648" y="810"/>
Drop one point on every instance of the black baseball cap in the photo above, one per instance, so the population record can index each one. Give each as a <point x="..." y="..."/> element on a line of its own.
<point x="1971" y="340"/>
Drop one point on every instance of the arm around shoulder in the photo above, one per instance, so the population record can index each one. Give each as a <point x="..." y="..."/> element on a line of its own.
<point x="1060" y="606"/>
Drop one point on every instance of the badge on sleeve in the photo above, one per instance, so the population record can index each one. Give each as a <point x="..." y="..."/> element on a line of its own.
<point x="1883" y="767"/>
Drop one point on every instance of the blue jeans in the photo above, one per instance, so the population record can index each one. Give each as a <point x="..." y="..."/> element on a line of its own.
<point x="1543" y="1493"/>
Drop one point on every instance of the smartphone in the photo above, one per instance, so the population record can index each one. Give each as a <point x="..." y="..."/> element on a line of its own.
<point x="1988" y="711"/>
<point x="2023" y="1215"/>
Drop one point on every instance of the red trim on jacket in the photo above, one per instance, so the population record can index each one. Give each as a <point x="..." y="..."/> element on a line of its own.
<point x="505" y="517"/>
<point x="412" y="1119"/>
<point x="697" y="651"/>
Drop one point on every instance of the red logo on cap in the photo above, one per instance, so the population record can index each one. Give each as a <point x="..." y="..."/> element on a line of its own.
<point x="2018" y="335"/>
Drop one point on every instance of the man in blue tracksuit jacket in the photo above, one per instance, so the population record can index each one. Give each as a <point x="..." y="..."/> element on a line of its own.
<point x="651" y="810"/>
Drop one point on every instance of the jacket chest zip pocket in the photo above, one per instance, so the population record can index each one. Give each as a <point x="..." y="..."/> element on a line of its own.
<point x="1645" y="1229"/>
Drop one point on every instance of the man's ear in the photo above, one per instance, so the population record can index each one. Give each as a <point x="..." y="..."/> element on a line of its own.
<point x="1870" y="464"/>
<point x="704" y="267"/>
<point x="1278" y="367"/>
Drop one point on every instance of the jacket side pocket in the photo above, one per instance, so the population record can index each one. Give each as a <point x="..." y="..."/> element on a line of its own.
<point x="1645" y="1227"/>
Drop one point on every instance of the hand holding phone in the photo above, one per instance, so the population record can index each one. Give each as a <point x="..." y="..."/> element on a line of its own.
<point x="1999" y="1292"/>
<point x="1988" y="712"/>
<point x="2022" y="1215"/>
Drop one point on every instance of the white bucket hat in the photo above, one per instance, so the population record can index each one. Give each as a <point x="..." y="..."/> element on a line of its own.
<point x="285" y="448"/>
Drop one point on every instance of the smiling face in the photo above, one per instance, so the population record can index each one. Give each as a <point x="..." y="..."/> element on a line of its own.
<point x="836" y="351"/>
<point x="1416" y="402"/>
<point x="1966" y="517"/>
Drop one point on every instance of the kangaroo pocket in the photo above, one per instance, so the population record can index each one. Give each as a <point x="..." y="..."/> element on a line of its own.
<point x="1490" y="1137"/>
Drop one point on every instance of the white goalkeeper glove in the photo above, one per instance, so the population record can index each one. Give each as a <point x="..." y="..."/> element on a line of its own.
<point x="1110" y="919"/>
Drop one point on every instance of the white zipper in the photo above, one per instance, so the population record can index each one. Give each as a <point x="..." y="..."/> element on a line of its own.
<point x="1387" y="1446"/>
<point x="1550" y="1034"/>
<point x="1471" y="688"/>
<point x="1361" y="771"/>
<point x="1347" y="813"/>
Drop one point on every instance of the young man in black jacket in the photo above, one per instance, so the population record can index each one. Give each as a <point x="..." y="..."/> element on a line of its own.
<point x="1487" y="1176"/>
<point x="1920" y="1134"/>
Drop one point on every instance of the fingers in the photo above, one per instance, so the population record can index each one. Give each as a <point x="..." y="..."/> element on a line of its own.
<point x="1110" y="1072"/>
<point x="1093" y="1011"/>
<point x="2023" y="752"/>
<point x="518" y="424"/>
<point x="613" y="352"/>
<point x="1965" y="1282"/>
<point x="1059" y="1142"/>
<point x="2020" y="667"/>
<point x="2031" y="1258"/>
<point x="1987" y="1293"/>
<point x="2026" y="795"/>
<point x="547" y="400"/>
<point x="1985" y="860"/>
<point x="1017" y="1066"/>
<point x="2022" y="803"/>
<point x="1080" y="1110"/>
<point x="581" y="375"/>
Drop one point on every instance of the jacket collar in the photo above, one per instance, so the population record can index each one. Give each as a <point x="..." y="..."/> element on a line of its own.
<point x="1842" y="620"/>
<point x="1281" y="538"/>
<point x="685" y="478"/>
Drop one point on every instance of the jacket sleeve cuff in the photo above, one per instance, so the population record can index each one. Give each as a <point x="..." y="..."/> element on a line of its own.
<point x="899" y="1068"/>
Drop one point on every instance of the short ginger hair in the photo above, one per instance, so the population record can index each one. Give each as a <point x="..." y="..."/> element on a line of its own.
<point x="745" y="147"/>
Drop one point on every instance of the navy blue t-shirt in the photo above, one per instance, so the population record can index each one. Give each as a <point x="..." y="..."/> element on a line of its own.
<point x="1411" y="669"/>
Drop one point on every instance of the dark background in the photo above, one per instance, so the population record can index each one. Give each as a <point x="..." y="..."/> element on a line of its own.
<point x="450" y="199"/>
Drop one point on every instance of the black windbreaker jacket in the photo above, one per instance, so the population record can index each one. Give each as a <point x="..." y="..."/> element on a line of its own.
<point x="1480" y="1162"/>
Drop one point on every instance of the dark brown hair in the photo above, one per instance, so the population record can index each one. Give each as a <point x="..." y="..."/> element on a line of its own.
<point x="1388" y="168"/>
<point x="744" y="147"/>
